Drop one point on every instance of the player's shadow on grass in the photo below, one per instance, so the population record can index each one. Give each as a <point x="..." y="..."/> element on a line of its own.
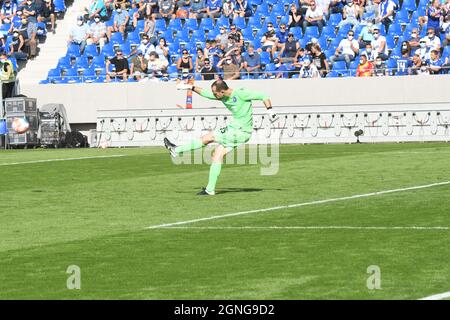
<point x="227" y="190"/>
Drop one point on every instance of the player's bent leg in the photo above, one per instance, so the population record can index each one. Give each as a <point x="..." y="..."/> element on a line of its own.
<point x="192" y="145"/>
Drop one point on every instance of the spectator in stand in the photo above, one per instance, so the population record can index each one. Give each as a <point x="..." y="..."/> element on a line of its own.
<point x="423" y="70"/>
<point x="29" y="31"/>
<point x="46" y="13"/>
<point x="143" y="10"/>
<point x="121" y="20"/>
<point x="239" y="59"/>
<point x="290" y="48"/>
<point x="96" y="7"/>
<point x="446" y="30"/>
<point x="414" y="41"/>
<point x="166" y="10"/>
<point x="16" y="45"/>
<point x="299" y="58"/>
<point x="434" y="63"/>
<point x="98" y="32"/>
<point x="325" y="6"/>
<point x="309" y="70"/>
<point x="380" y="68"/>
<point x="379" y="44"/>
<point x="152" y="8"/>
<point x="431" y="40"/>
<point x="156" y="68"/>
<point x="182" y="9"/>
<point x="237" y="36"/>
<point x="124" y="4"/>
<point x="385" y="16"/>
<point x="281" y="35"/>
<point x="198" y="9"/>
<point x="222" y="37"/>
<point x="242" y="9"/>
<point x="313" y="17"/>
<point x="336" y="6"/>
<point x="146" y="47"/>
<point x="433" y="16"/>
<point x="350" y="15"/>
<point x="366" y="35"/>
<point x="138" y="66"/>
<point x="229" y="68"/>
<point x="295" y="16"/>
<point x="423" y="51"/>
<point x="162" y="49"/>
<point x="29" y="10"/>
<point x="200" y="60"/>
<point x="404" y="63"/>
<point x="252" y="62"/>
<point x="214" y="53"/>
<point x="365" y="67"/>
<point x="121" y="67"/>
<point x="405" y="48"/>
<point x="280" y="70"/>
<point x="228" y="9"/>
<point x="150" y="29"/>
<point x="79" y="34"/>
<point x="7" y="75"/>
<point x="213" y="8"/>
<point x="231" y="47"/>
<point x="370" y="53"/>
<point x="8" y="10"/>
<point x="320" y="60"/>
<point x="209" y="72"/>
<point x="347" y="50"/>
<point x="416" y="64"/>
<point x="269" y="40"/>
<point x="184" y="64"/>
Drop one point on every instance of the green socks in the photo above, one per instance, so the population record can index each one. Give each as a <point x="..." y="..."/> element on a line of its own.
<point x="214" y="173"/>
<point x="194" y="144"/>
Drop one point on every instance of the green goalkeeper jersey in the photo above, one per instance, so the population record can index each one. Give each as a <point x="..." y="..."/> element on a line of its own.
<point x="240" y="105"/>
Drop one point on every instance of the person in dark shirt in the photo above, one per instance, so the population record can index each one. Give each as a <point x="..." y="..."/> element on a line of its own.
<point x="121" y="65"/>
<point x="47" y="12"/>
<point x="208" y="72"/>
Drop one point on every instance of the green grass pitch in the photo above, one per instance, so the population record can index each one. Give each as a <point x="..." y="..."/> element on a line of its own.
<point x="94" y="213"/>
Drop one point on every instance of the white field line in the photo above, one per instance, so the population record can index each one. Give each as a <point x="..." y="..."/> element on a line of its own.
<point x="439" y="296"/>
<point x="310" y="228"/>
<point x="63" y="159"/>
<point x="304" y="204"/>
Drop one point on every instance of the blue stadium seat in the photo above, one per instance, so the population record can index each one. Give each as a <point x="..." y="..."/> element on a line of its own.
<point x="392" y="66"/>
<point x="175" y="24"/>
<point x="311" y="32"/>
<point x="335" y="18"/>
<point x="339" y="66"/>
<point x="223" y="21"/>
<point x="342" y="32"/>
<point x="297" y="31"/>
<point x="239" y="22"/>
<point x="248" y="34"/>
<point x="353" y="65"/>
<point x="396" y="29"/>
<point x="60" y="6"/>
<point x="390" y="41"/>
<point x="160" y="25"/>
<point x="191" y="24"/>
<point x="91" y="50"/>
<point x="265" y="57"/>
<point x="254" y="22"/>
<point x="82" y="63"/>
<point x="402" y="17"/>
<point x="168" y="35"/>
<point x="323" y="43"/>
<point x="206" y="23"/>
<point x="53" y="73"/>
<point x="116" y="38"/>
<point x="108" y="50"/>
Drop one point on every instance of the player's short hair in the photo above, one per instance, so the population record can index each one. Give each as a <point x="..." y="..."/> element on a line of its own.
<point x="220" y="85"/>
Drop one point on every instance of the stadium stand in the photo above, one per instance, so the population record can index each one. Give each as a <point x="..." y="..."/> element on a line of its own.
<point x="389" y="24"/>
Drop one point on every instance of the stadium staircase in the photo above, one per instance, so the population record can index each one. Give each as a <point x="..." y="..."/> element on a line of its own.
<point x="54" y="47"/>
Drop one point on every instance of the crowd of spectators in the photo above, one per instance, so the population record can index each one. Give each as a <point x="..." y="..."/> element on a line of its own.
<point x="241" y="39"/>
<point x="23" y="25"/>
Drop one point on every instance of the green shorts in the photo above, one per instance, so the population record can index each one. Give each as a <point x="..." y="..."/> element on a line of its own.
<point x="231" y="137"/>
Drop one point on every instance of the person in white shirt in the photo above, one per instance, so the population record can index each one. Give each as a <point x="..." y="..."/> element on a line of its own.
<point x="308" y="70"/>
<point x="432" y="42"/>
<point x="313" y="17"/>
<point x="379" y="44"/>
<point x="350" y="15"/>
<point x="423" y="52"/>
<point x="347" y="50"/>
<point x="325" y="6"/>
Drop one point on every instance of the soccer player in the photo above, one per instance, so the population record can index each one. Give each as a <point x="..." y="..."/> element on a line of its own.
<point x="239" y="102"/>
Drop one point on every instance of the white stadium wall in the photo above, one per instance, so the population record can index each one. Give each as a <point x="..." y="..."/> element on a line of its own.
<point x="413" y="108"/>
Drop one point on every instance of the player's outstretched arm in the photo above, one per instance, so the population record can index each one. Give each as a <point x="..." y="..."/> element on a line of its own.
<point x="259" y="96"/>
